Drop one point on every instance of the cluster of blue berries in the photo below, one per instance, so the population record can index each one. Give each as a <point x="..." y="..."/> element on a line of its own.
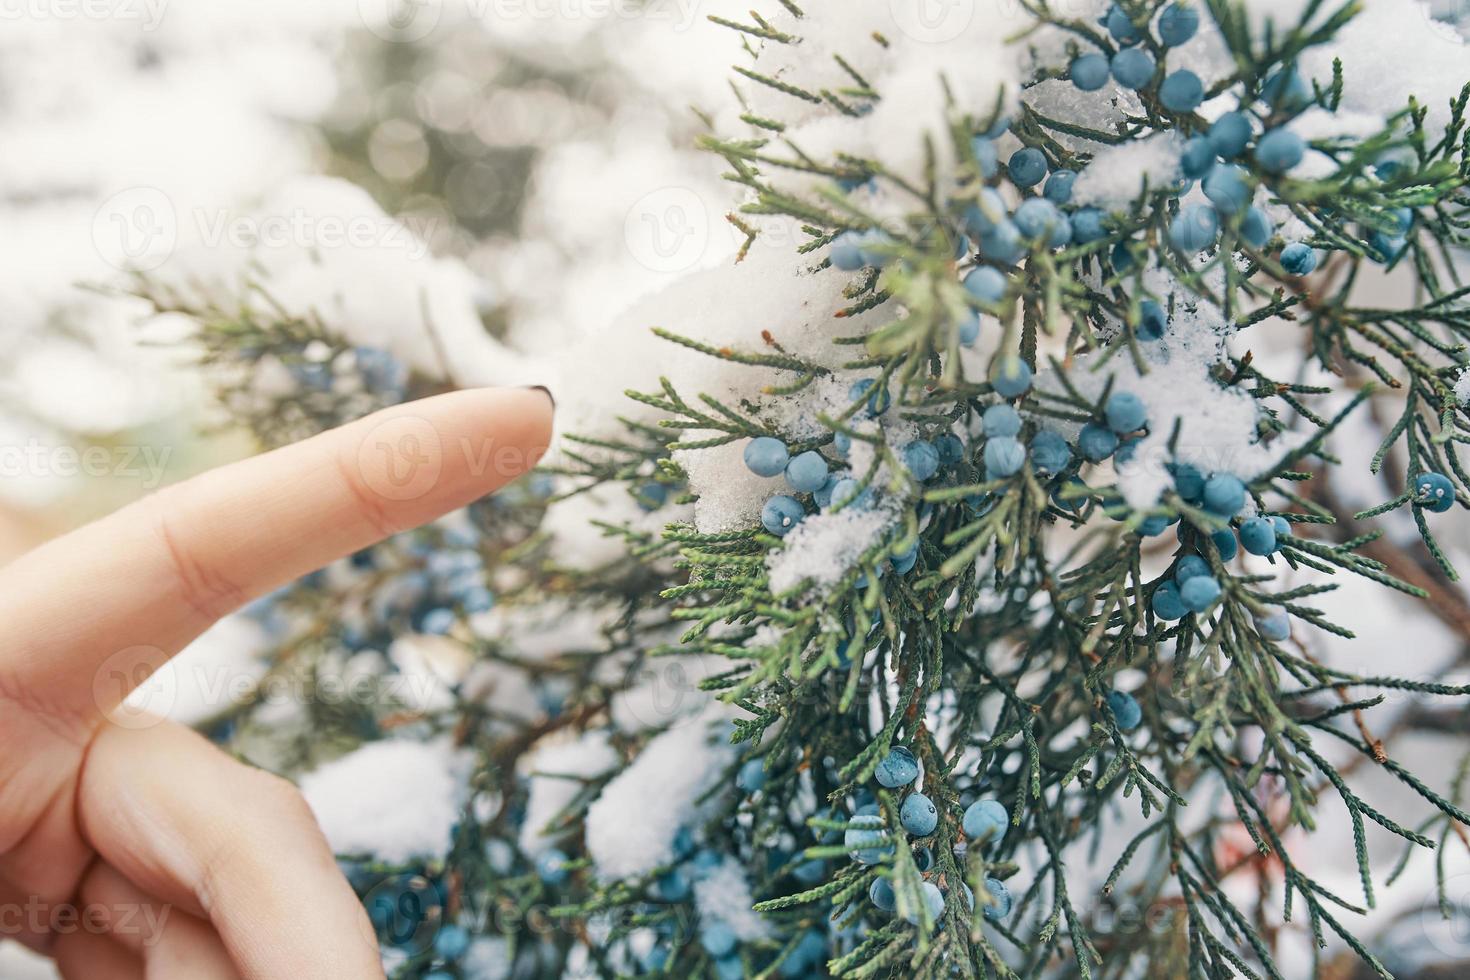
<point x="769" y="457"/>
<point x="721" y="942"/>
<point x="868" y="841"/>
<point x="1206" y="158"/>
<point x="1229" y="187"/>
<point x="1193" y="589"/>
<point x="810" y="473"/>
<point x="1123" y="414"/>
<point x="431" y="598"/>
<point x="1180" y="91"/>
<point x="424" y="584"/>
<point x="1002" y="237"/>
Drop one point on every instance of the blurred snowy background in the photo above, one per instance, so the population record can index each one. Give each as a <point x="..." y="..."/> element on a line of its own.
<point x="465" y="177"/>
<point x="536" y="159"/>
<point x="473" y="185"/>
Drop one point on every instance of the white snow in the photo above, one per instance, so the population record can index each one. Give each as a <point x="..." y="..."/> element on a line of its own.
<point x="1116" y="175"/>
<point x="730" y="495"/>
<point x="556" y="774"/>
<point x="578" y="543"/>
<point x="486" y="959"/>
<point x="1462" y="386"/>
<point x="218" y="671"/>
<point x="632" y="824"/>
<point x="548" y="629"/>
<point x="736" y="306"/>
<point x="824" y="547"/>
<point x="1394" y="49"/>
<point x="429" y="667"/>
<point x="322" y="246"/>
<point x="723" y="895"/>
<point x="1217" y="432"/>
<point x="396" y="800"/>
<point x="1058" y="98"/>
<point x="664" y="690"/>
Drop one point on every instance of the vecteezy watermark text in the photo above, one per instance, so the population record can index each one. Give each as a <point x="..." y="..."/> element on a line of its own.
<point x="35" y="916"/>
<point x="36" y="459"/>
<point x="140" y="227"/>
<point x="413" y="20"/>
<point x="302" y="229"/>
<point x="147" y="13"/>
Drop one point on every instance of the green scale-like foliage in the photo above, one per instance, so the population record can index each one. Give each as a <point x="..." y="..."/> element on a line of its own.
<point x="992" y="660"/>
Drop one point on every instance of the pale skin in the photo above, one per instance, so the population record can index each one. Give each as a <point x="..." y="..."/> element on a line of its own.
<point x="176" y="860"/>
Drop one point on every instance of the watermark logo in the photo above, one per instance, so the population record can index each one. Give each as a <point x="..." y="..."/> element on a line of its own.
<point x="136" y="687"/>
<point x="932" y="21"/>
<point x="136" y="229"/>
<point x="660" y="692"/>
<point x="401" y="20"/>
<point x="401" y="458"/>
<point x="1447" y="928"/>
<point x="307" y="230"/>
<point x="407" y="912"/>
<point x="667" y="230"/>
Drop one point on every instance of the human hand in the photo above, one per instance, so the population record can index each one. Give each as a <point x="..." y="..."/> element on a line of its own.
<point x="139" y="849"/>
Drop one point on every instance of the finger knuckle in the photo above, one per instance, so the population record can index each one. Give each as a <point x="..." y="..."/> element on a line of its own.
<point x="374" y="509"/>
<point x="201" y="585"/>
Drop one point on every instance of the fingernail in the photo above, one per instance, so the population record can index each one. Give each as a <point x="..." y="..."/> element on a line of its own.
<point x="545" y="391"/>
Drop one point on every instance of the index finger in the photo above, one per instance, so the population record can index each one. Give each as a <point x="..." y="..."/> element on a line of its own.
<point x="131" y="590"/>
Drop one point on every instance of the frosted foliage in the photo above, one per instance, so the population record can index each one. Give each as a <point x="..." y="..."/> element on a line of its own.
<point x="730" y="495"/>
<point x="967" y="52"/>
<point x="359" y="799"/>
<point x="632" y="824"/>
<point x="729" y="306"/>
<point x="799" y="418"/>
<point x="557" y="774"/>
<point x="1392" y="50"/>
<point x="577" y="542"/>
<point x="1217" y="425"/>
<point x="823" y="548"/>
<point x="1462" y="387"/>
